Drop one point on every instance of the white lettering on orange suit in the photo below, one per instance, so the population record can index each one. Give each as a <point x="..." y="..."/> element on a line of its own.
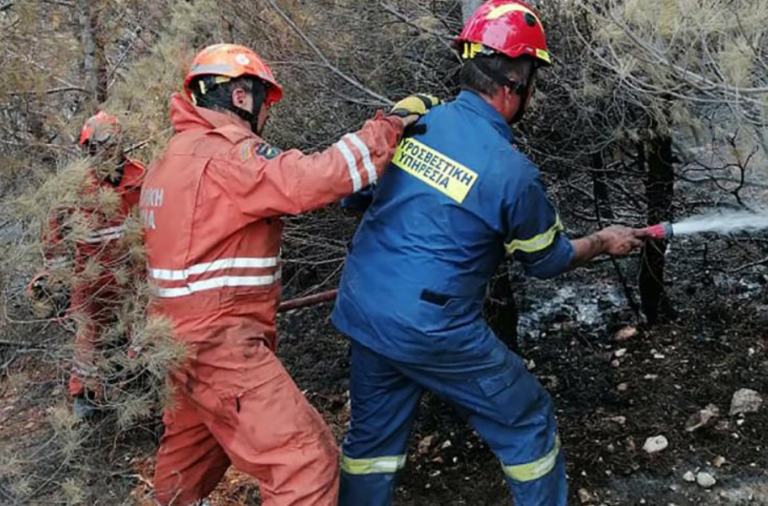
<point x="151" y="199"/>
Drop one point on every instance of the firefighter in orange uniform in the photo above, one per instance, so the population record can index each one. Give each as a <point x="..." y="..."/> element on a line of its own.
<point x="95" y="298"/>
<point x="211" y="210"/>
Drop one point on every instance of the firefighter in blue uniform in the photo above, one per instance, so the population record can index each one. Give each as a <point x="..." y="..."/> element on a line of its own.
<point x="456" y="199"/>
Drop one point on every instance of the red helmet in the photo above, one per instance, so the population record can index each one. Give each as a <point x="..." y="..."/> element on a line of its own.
<point x="509" y="27"/>
<point x="100" y="128"/>
<point x="232" y="60"/>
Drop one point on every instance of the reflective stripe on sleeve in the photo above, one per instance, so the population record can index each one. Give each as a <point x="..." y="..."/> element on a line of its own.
<point x="351" y="165"/>
<point x="218" y="265"/>
<point x="376" y="465"/>
<point x="536" y="469"/>
<point x="536" y="243"/>
<point x="360" y="145"/>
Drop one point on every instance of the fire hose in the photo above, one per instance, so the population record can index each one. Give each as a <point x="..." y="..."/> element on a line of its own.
<point x="309" y="300"/>
<point x="659" y="232"/>
<point x="287" y="305"/>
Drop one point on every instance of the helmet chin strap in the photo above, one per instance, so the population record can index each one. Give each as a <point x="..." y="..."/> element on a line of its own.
<point x="521" y="89"/>
<point x="523" y="106"/>
<point x="258" y="94"/>
<point x="252" y="117"/>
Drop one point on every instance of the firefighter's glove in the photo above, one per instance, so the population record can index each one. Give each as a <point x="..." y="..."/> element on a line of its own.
<point x="38" y="289"/>
<point x="49" y="299"/>
<point x="417" y="105"/>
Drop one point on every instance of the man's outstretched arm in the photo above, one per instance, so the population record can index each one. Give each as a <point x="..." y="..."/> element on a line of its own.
<point x="615" y="241"/>
<point x="538" y="241"/>
<point x="265" y="182"/>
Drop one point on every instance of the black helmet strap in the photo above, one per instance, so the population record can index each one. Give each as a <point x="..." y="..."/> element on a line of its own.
<point x="211" y="94"/>
<point x="521" y="89"/>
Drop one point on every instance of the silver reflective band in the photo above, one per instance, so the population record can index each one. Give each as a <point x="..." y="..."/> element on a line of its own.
<point x="105" y="234"/>
<point x="85" y="370"/>
<point x="366" y="156"/>
<point x="110" y="230"/>
<point x="351" y="165"/>
<point x="60" y="262"/>
<point x="217" y="265"/>
<point x="220" y="282"/>
<point x="213" y="68"/>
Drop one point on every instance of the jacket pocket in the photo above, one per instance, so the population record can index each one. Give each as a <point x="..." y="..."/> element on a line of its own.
<point x="513" y="397"/>
<point x="450" y="305"/>
<point x="492" y="385"/>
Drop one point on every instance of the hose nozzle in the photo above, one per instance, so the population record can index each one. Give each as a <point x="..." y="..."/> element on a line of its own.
<point x="661" y="231"/>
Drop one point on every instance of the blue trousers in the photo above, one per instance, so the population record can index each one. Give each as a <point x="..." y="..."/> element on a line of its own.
<point x="504" y="403"/>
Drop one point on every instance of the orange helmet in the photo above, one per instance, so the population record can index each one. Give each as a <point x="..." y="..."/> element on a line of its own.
<point x="99" y="128"/>
<point x="232" y="60"/>
<point x="509" y="27"/>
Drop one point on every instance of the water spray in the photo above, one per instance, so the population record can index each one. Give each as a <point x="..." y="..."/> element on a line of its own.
<point x="718" y="222"/>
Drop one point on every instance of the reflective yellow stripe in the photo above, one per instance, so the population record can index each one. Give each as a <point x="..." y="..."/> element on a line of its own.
<point x="536" y="469"/>
<point x="372" y="466"/>
<point x="544" y="55"/>
<point x="471" y="49"/>
<point x="503" y="9"/>
<point x="537" y="243"/>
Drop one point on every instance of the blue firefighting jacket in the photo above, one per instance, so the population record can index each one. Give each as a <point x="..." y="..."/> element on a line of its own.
<point x="455" y="200"/>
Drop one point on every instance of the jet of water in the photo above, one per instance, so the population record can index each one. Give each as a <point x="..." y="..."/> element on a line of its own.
<point x="722" y="223"/>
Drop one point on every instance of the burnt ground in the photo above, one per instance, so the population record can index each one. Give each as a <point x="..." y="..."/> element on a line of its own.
<point x="607" y="405"/>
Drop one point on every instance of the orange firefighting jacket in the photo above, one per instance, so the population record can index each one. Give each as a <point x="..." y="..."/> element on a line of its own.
<point x="101" y="242"/>
<point x="211" y="208"/>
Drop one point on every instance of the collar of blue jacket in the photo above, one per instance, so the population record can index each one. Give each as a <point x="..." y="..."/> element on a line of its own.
<point x="477" y="104"/>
